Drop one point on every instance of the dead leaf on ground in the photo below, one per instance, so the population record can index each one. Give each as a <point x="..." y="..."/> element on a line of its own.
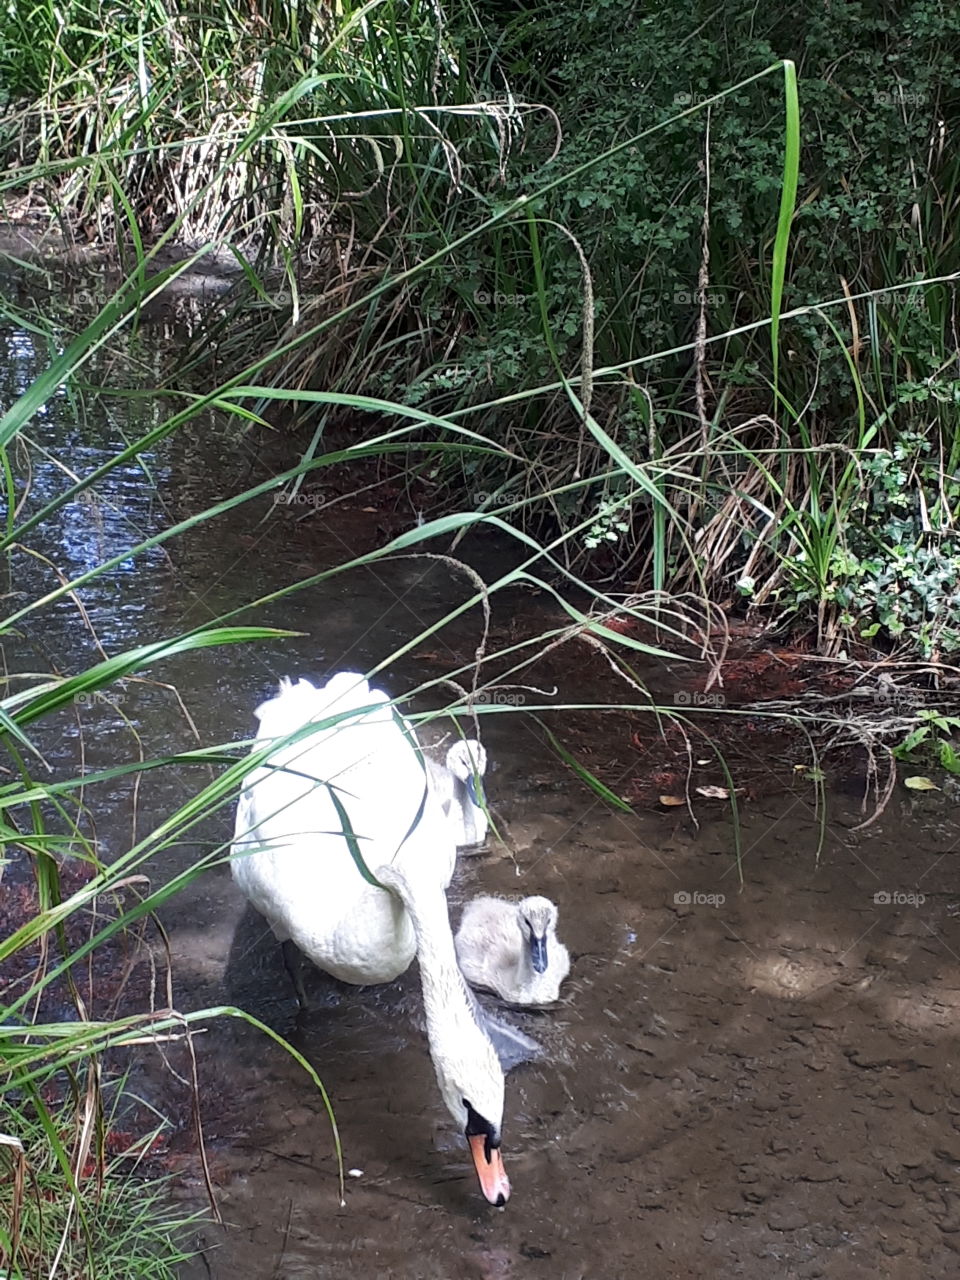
<point x="918" y="783"/>
<point x="714" y="793"/>
<point x="672" y="800"/>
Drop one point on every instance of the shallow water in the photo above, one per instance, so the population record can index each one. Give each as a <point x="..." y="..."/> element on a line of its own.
<point x="750" y="1079"/>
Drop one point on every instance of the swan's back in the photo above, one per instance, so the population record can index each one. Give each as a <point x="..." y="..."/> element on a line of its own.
<point x="291" y="857"/>
<point x="366" y="758"/>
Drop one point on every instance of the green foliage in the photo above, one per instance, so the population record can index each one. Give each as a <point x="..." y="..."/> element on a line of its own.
<point x="468" y="267"/>
<point x="238" y="124"/>
<point x="876" y="204"/>
<point x="609" y="525"/>
<point x="931" y="740"/>
<point x="874" y="82"/>
<point x="119" y="1226"/>
<point x="895" y="569"/>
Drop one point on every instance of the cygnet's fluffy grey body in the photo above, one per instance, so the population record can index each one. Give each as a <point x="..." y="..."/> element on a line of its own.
<point x="511" y="947"/>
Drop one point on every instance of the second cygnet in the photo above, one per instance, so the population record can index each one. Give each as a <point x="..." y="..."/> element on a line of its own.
<point x="512" y="948"/>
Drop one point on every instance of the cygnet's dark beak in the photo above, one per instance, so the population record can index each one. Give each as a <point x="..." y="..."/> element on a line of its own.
<point x="538" y="953"/>
<point x="475" y="789"/>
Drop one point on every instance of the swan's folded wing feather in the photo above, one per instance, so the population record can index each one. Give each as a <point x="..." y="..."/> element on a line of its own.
<point x="512" y="1045"/>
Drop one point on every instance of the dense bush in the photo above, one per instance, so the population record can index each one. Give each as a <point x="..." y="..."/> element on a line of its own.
<point x="268" y="127"/>
<point x="880" y="100"/>
<point x="896" y="571"/>
<point x="880" y="103"/>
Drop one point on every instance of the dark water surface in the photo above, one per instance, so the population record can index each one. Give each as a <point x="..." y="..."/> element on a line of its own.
<point x="756" y="1080"/>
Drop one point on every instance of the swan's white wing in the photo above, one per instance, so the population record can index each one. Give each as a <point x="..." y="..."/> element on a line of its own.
<point x="302" y="872"/>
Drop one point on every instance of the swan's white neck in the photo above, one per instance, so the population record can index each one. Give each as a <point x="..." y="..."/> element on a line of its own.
<point x="452" y="1026"/>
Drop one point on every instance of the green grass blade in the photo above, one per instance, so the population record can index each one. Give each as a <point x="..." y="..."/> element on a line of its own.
<point x="788" y="202"/>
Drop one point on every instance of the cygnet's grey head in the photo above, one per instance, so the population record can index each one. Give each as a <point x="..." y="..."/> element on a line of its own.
<point x="467" y="761"/>
<point x="537" y="916"/>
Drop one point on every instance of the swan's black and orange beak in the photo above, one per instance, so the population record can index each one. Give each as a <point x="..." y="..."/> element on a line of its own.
<point x="484" y="1140"/>
<point x="538" y="953"/>
<point x="494" y="1182"/>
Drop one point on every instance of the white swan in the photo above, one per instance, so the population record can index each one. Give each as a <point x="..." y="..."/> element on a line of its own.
<point x="457" y="785"/>
<point x="512" y="948"/>
<point x="295" y="858"/>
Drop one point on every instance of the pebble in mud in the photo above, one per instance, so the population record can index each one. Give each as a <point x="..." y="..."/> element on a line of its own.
<point x="828" y="1237"/>
<point x="893" y="1248"/>
<point x="927" y="1103"/>
<point x="787" y="1218"/>
<point x="758" y="1194"/>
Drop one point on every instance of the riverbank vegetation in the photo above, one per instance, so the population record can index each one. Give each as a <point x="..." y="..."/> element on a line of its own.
<point x="119" y="1228"/>
<point x="516" y="217"/>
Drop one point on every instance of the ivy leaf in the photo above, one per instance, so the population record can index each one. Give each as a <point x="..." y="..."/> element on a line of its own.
<point x="949" y="758"/>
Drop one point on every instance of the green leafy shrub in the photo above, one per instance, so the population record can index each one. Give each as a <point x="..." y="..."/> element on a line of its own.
<point x="875" y="81"/>
<point x="895" y="574"/>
